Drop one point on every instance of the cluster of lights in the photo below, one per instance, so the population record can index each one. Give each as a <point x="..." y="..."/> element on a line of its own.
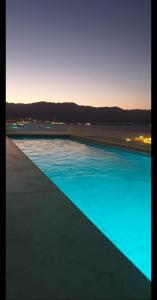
<point x="141" y="139"/>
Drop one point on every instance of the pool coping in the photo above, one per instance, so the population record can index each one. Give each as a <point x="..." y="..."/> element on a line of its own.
<point x="74" y="247"/>
<point x="120" y="146"/>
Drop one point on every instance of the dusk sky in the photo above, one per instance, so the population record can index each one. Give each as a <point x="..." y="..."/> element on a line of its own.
<point x="91" y="52"/>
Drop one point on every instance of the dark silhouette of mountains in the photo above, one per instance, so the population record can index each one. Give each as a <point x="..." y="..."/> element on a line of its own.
<point x="73" y="113"/>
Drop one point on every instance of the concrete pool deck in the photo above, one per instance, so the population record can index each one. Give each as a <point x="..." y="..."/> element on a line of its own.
<point x="53" y="250"/>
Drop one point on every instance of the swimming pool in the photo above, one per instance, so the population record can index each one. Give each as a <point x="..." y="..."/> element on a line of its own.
<point x="110" y="186"/>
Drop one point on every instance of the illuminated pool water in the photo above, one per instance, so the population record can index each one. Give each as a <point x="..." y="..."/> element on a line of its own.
<point x="111" y="187"/>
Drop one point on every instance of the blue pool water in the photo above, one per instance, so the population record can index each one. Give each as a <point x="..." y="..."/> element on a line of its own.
<point x="111" y="187"/>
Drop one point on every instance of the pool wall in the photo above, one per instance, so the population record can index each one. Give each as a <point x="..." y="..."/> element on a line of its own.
<point x="53" y="250"/>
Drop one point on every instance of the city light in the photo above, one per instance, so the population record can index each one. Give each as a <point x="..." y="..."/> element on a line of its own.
<point x="140" y="139"/>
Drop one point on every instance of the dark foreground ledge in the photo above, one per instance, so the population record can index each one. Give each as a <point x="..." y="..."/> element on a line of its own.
<point x="53" y="250"/>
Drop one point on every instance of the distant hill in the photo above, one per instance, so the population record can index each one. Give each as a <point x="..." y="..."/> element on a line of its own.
<point x="73" y="113"/>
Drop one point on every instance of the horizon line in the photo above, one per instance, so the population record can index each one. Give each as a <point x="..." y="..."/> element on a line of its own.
<point x="69" y="102"/>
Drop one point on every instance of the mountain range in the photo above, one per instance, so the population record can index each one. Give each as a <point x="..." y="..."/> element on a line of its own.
<point x="72" y="113"/>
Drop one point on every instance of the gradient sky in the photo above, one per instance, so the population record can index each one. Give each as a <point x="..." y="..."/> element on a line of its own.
<point x="91" y="52"/>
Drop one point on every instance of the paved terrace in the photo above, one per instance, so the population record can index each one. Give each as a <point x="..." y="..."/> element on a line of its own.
<point x="109" y="135"/>
<point x="53" y="250"/>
